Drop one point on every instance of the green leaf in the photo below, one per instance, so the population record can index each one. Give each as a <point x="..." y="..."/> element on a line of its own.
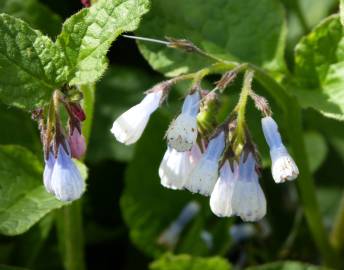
<point x="187" y="262"/>
<point x="119" y="89"/>
<point x="31" y="11"/>
<point x="319" y="69"/>
<point x="7" y="267"/>
<point x="11" y="119"/>
<point x="144" y="199"/>
<point x="222" y="28"/>
<point x="87" y="36"/>
<point x="31" y="66"/>
<point x="316" y="149"/>
<point x="23" y="199"/>
<point x="341" y="11"/>
<point x="286" y="265"/>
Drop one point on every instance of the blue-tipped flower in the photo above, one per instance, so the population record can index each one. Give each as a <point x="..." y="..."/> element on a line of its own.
<point x="170" y="236"/>
<point x="248" y="199"/>
<point x="66" y="181"/>
<point x="283" y="166"/>
<point x="129" y="126"/>
<point x="221" y="197"/>
<point x="203" y="177"/>
<point x="182" y="133"/>
<point x="48" y="171"/>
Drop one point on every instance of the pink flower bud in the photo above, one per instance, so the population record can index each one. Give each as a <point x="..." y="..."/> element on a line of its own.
<point x="77" y="144"/>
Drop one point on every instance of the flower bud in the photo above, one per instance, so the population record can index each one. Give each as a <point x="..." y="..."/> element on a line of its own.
<point x="176" y="167"/>
<point x="48" y="170"/>
<point x="129" y="127"/>
<point x="221" y="197"/>
<point x="182" y="133"/>
<point x="203" y="177"/>
<point x="283" y="166"/>
<point x="77" y="144"/>
<point x="248" y="200"/>
<point x="66" y="181"/>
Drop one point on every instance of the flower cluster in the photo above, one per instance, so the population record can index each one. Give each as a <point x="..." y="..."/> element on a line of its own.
<point x="213" y="159"/>
<point x="61" y="176"/>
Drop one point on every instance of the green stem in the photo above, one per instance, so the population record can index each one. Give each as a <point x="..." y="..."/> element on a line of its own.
<point x="305" y="183"/>
<point x="70" y="228"/>
<point x="337" y="233"/>
<point x="70" y="233"/>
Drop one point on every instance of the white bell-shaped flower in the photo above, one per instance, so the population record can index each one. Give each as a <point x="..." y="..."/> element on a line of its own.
<point x="182" y="132"/>
<point x="283" y="166"/>
<point x="129" y="126"/>
<point x="48" y="171"/>
<point x="221" y="197"/>
<point x="248" y="199"/>
<point x="203" y="177"/>
<point x="176" y="166"/>
<point x="66" y="181"/>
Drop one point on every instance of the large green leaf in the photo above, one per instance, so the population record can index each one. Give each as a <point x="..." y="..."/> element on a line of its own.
<point x="119" y="89"/>
<point x="87" y="36"/>
<point x="31" y="66"/>
<point x="13" y="119"/>
<point x="187" y="262"/>
<point x="31" y="11"/>
<point x="287" y="265"/>
<point x="319" y="69"/>
<point x="148" y="208"/>
<point x="23" y="199"/>
<point x="220" y="27"/>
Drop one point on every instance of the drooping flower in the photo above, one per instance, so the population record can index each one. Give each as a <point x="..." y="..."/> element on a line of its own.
<point x="66" y="181"/>
<point x="129" y="126"/>
<point x="283" y="166"/>
<point x="182" y="133"/>
<point x="170" y="235"/>
<point x="221" y="197"/>
<point x="176" y="166"/>
<point x="77" y="144"/>
<point x="248" y="199"/>
<point x="203" y="177"/>
<point x="48" y="170"/>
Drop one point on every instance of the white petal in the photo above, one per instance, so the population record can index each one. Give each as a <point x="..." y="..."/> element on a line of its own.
<point x="182" y="133"/>
<point x="283" y="166"/>
<point x="249" y="200"/>
<point x="221" y="197"/>
<point x="203" y="177"/>
<point x="174" y="169"/>
<point x="129" y="126"/>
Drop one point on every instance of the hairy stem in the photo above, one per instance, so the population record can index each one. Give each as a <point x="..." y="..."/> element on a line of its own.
<point x="70" y="228"/>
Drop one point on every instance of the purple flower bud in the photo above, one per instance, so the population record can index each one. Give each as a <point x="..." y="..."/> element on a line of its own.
<point x="66" y="181"/>
<point x="203" y="177"/>
<point x="77" y="144"/>
<point x="129" y="126"/>
<point x="182" y="133"/>
<point x="48" y="170"/>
